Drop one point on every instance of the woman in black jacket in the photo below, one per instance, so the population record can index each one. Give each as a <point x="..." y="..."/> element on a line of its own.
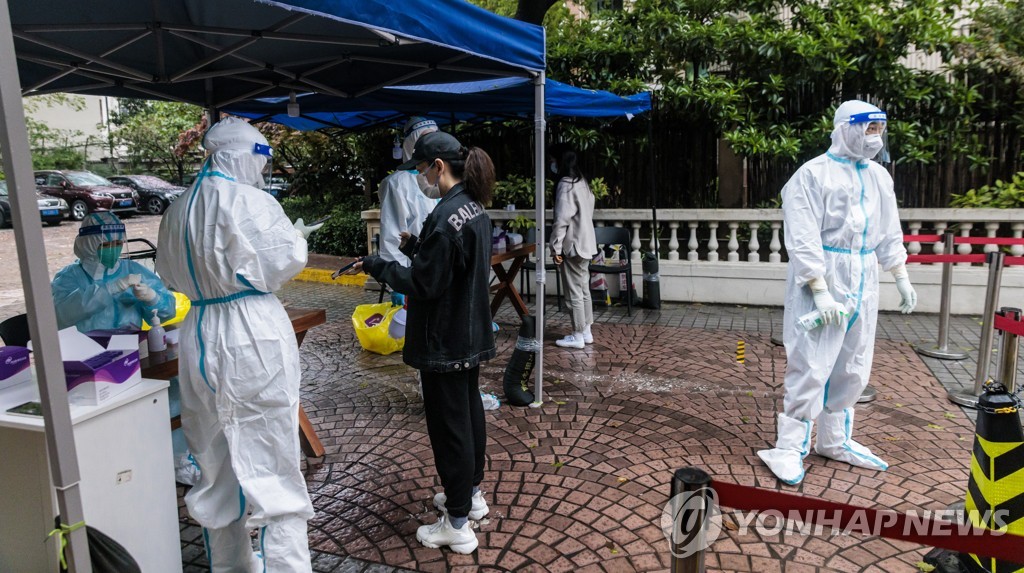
<point x="448" y="330"/>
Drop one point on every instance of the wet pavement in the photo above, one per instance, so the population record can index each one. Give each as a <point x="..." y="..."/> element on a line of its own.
<point x="580" y="484"/>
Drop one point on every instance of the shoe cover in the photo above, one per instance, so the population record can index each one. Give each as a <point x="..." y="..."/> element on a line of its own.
<point x="786" y="459"/>
<point x="834" y="430"/>
<point x="284" y="546"/>
<point x="227" y="547"/>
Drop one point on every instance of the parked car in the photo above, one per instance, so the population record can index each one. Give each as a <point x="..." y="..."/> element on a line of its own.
<point x="52" y="210"/>
<point x="155" y="194"/>
<point x="86" y="192"/>
<point x="278" y="186"/>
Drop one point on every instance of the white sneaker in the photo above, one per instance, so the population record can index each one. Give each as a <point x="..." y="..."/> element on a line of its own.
<point x="476" y="513"/>
<point x="571" y="341"/>
<point x="588" y="338"/>
<point x="462" y="540"/>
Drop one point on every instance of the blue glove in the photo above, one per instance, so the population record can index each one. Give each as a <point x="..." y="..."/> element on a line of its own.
<point x="397" y="299"/>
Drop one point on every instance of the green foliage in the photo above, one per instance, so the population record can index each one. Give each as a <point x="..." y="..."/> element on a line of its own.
<point x="520" y="224"/>
<point x="151" y="131"/>
<point x="599" y="188"/>
<point x="515" y="190"/>
<point x="520" y="191"/>
<point x="999" y="195"/>
<point x="767" y="73"/>
<point x="344" y="234"/>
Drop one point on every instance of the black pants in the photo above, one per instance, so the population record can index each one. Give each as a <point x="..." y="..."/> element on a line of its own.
<point x="458" y="435"/>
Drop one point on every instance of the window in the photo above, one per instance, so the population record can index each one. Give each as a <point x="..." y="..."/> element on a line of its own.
<point x="53" y="180"/>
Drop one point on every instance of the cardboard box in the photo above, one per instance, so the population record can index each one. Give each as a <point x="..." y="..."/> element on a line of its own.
<point x="94" y="372"/>
<point x="14" y="366"/>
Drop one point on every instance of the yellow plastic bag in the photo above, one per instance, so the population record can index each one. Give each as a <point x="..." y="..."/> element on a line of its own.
<point x="374" y="337"/>
<point x="181" y="307"/>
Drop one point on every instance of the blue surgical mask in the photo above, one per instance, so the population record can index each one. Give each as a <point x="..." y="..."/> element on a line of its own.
<point x="109" y="256"/>
<point x="554" y="167"/>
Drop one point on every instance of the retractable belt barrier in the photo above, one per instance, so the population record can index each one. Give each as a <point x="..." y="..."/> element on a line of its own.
<point x="693" y="492"/>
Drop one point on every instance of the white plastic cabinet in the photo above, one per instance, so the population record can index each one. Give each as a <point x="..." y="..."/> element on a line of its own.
<point x="127" y="479"/>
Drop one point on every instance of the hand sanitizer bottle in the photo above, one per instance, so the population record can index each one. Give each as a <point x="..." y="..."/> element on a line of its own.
<point x="155" y="337"/>
<point x="811" y="320"/>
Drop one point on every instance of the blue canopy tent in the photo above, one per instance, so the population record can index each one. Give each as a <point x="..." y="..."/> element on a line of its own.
<point x="214" y="54"/>
<point x="501" y="98"/>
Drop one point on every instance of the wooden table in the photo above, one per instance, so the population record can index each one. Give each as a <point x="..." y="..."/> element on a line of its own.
<point x="506" y="286"/>
<point x="302" y="320"/>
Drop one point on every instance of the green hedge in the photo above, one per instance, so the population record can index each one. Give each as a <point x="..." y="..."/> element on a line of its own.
<point x="344" y="234"/>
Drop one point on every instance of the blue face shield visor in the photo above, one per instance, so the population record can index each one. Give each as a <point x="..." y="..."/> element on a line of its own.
<point x="268" y="169"/>
<point x="868" y="117"/>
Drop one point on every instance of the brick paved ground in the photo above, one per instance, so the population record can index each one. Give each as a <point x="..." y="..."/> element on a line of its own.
<point x="580" y="483"/>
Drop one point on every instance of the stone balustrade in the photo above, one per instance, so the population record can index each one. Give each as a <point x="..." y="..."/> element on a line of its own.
<point x="699" y="248"/>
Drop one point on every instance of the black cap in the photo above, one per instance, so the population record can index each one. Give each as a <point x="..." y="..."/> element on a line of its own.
<point x="436" y="145"/>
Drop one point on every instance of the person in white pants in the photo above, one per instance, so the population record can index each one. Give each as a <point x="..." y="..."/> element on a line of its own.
<point x="573" y="242"/>
<point x="841" y="222"/>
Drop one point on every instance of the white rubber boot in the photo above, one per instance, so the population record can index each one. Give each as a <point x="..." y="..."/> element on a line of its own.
<point x="834" y="441"/>
<point x="786" y="459"/>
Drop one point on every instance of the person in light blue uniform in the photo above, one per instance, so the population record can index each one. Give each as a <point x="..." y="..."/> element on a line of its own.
<point x="96" y="291"/>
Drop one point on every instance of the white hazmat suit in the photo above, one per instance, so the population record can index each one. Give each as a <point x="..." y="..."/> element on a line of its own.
<point x="228" y="246"/>
<point x="840" y="224"/>
<point x="405" y="197"/>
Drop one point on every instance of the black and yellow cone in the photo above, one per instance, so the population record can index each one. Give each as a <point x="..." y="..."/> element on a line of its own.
<point x="741" y="351"/>
<point x="995" y="490"/>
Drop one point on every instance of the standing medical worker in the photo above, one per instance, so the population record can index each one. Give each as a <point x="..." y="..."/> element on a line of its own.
<point x="405" y="197"/>
<point x="102" y="291"/>
<point x="228" y="246"/>
<point x="840" y="224"/>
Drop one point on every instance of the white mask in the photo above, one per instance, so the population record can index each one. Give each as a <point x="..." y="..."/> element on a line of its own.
<point x="872" y="145"/>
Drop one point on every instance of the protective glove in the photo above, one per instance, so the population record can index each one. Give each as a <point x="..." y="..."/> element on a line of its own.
<point x="116" y="287"/>
<point x="144" y="293"/>
<point x="908" y="296"/>
<point x="397" y="299"/>
<point x="831" y="311"/>
<point x="306" y="230"/>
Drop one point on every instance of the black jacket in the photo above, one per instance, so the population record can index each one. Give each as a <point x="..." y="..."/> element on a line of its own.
<point x="448" y="326"/>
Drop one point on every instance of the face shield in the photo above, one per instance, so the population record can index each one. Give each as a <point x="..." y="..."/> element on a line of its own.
<point x="268" y="168"/>
<point x="870" y="126"/>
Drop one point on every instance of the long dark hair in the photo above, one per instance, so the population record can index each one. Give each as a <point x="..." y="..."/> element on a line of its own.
<point x="565" y="156"/>
<point x="477" y="173"/>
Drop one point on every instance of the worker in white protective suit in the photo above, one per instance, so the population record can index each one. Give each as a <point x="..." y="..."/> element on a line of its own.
<point x="102" y="291"/>
<point x="228" y="246"/>
<point x="840" y="225"/>
<point x="405" y="197"/>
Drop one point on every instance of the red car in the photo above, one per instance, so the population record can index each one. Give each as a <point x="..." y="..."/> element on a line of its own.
<point x="86" y="192"/>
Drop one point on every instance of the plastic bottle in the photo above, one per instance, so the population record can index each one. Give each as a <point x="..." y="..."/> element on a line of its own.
<point x="155" y="338"/>
<point x="811" y="320"/>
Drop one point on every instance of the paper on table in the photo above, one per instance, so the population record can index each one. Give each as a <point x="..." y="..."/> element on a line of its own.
<point x="123" y="342"/>
<point x="75" y="346"/>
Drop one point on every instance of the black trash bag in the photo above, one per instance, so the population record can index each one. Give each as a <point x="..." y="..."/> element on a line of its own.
<point x="520" y="367"/>
<point x="105" y="554"/>
<point x="652" y="286"/>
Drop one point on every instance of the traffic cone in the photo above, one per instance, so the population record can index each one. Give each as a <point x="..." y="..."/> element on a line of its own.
<point x="995" y="490"/>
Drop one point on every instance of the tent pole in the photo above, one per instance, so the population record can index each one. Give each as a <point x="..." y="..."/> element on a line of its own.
<point x="42" y="319"/>
<point x="653" y="183"/>
<point x="541" y="273"/>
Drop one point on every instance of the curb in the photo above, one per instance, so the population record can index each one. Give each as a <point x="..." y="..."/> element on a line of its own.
<point x="324" y="276"/>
